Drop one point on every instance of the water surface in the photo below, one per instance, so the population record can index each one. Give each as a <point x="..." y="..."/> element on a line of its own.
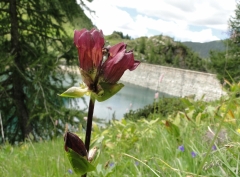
<point x="130" y="97"/>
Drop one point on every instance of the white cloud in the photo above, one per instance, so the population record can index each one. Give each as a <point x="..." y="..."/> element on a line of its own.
<point x="176" y="18"/>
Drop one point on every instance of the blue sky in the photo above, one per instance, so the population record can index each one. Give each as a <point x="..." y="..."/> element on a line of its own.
<point x="183" y="20"/>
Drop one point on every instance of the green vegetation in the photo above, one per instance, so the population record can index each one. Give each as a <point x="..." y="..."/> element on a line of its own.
<point x="163" y="107"/>
<point x="161" y="50"/>
<point x="202" y="139"/>
<point x="203" y="49"/>
<point x="227" y="64"/>
<point x="34" y="42"/>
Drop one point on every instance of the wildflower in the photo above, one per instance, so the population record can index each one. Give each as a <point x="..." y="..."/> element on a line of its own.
<point x="89" y="45"/>
<point x="238" y="130"/>
<point x="73" y="142"/>
<point x="100" y="76"/>
<point x="194" y="154"/>
<point x="111" y="164"/>
<point x="181" y="148"/>
<point x="214" y="148"/>
<point x="118" y="62"/>
<point x="136" y="163"/>
<point x="70" y="171"/>
<point x="160" y="78"/>
<point x="156" y="95"/>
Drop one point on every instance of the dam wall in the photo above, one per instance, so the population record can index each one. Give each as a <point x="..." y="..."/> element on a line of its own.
<point x="175" y="82"/>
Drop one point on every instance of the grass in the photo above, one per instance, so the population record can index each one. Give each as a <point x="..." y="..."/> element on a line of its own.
<point x="144" y="147"/>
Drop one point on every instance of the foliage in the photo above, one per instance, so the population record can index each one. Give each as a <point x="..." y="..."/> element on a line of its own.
<point x="184" y="144"/>
<point x="203" y="49"/>
<point x="34" y="43"/>
<point x="227" y="64"/>
<point x="160" y="108"/>
<point x="119" y="35"/>
<point x="162" y="50"/>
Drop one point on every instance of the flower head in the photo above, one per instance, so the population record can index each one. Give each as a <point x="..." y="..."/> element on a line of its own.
<point x="89" y="45"/>
<point x="111" y="164"/>
<point x="214" y="148"/>
<point x="181" y="148"/>
<point x="73" y="142"/>
<point x="100" y="76"/>
<point x="119" y="60"/>
<point x="194" y="154"/>
<point x="70" y="171"/>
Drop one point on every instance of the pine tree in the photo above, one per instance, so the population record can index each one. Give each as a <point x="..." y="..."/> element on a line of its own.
<point x="33" y="43"/>
<point x="227" y="64"/>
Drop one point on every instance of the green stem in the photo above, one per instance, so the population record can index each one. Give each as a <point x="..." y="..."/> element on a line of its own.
<point x="215" y="137"/>
<point x="89" y="125"/>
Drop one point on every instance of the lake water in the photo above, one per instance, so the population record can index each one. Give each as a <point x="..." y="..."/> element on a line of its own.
<point x="130" y="97"/>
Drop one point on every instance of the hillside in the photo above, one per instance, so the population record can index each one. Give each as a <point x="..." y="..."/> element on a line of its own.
<point x="203" y="49"/>
<point x="161" y="50"/>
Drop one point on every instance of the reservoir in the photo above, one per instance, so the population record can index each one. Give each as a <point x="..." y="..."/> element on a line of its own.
<point x="130" y="97"/>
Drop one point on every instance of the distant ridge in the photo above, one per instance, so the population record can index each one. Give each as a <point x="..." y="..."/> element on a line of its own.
<point x="203" y="49"/>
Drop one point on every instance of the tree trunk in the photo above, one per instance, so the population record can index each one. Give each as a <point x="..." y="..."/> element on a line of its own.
<point x="18" y="90"/>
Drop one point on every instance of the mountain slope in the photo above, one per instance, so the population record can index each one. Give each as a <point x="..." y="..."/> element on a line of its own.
<point x="203" y="49"/>
<point x="161" y="50"/>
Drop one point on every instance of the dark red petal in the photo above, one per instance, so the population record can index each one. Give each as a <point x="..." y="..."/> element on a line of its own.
<point x="135" y="65"/>
<point x="86" y="44"/>
<point x="97" y="55"/>
<point x="114" y="68"/>
<point x="92" y="30"/>
<point x="75" y="143"/>
<point x="116" y="48"/>
<point x="77" y="34"/>
<point x="86" y="41"/>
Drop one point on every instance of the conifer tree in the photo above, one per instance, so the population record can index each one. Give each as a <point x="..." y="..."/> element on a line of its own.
<point x="33" y="42"/>
<point x="227" y="63"/>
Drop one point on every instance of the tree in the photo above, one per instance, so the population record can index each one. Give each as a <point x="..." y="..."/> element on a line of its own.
<point x="227" y="64"/>
<point x="33" y="43"/>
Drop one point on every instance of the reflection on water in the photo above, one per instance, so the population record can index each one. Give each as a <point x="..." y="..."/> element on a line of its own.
<point x="129" y="97"/>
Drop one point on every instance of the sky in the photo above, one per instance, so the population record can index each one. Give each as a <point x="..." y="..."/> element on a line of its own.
<point x="183" y="20"/>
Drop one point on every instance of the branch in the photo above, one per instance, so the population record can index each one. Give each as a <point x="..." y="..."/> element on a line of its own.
<point x="4" y="10"/>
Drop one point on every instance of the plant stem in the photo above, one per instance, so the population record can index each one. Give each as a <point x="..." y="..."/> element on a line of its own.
<point x="89" y="124"/>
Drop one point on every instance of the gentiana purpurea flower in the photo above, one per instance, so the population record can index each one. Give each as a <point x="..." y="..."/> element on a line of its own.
<point x="77" y="154"/>
<point x="119" y="60"/>
<point x="100" y="76"/>
<point x="73" y="142"/>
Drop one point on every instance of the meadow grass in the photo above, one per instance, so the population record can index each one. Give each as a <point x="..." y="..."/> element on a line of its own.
<point x="203" y="140"/>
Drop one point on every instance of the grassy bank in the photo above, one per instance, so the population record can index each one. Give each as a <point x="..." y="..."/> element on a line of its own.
<point x="202" y="140"/>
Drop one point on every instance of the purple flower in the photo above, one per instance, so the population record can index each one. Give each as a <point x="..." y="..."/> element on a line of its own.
<point x="70" y="171"/>
<point x="89" y="45"/>
<point x="181" y="148"/>
<point x="136" y="163"/>
<point x="111" y="164"/>
<point x="98" y="74"/>
<point x="214" y="148"/>
<point x="119" y="60"/>
<point x="194" y="154"/>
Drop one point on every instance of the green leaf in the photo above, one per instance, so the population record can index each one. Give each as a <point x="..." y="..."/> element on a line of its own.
<point x="74" y="92"/>
<point x="109" y="91"/>
<point x="80" y="164"/>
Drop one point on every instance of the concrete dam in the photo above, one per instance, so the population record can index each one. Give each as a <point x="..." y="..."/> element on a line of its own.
<point x="175" y="81"/>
